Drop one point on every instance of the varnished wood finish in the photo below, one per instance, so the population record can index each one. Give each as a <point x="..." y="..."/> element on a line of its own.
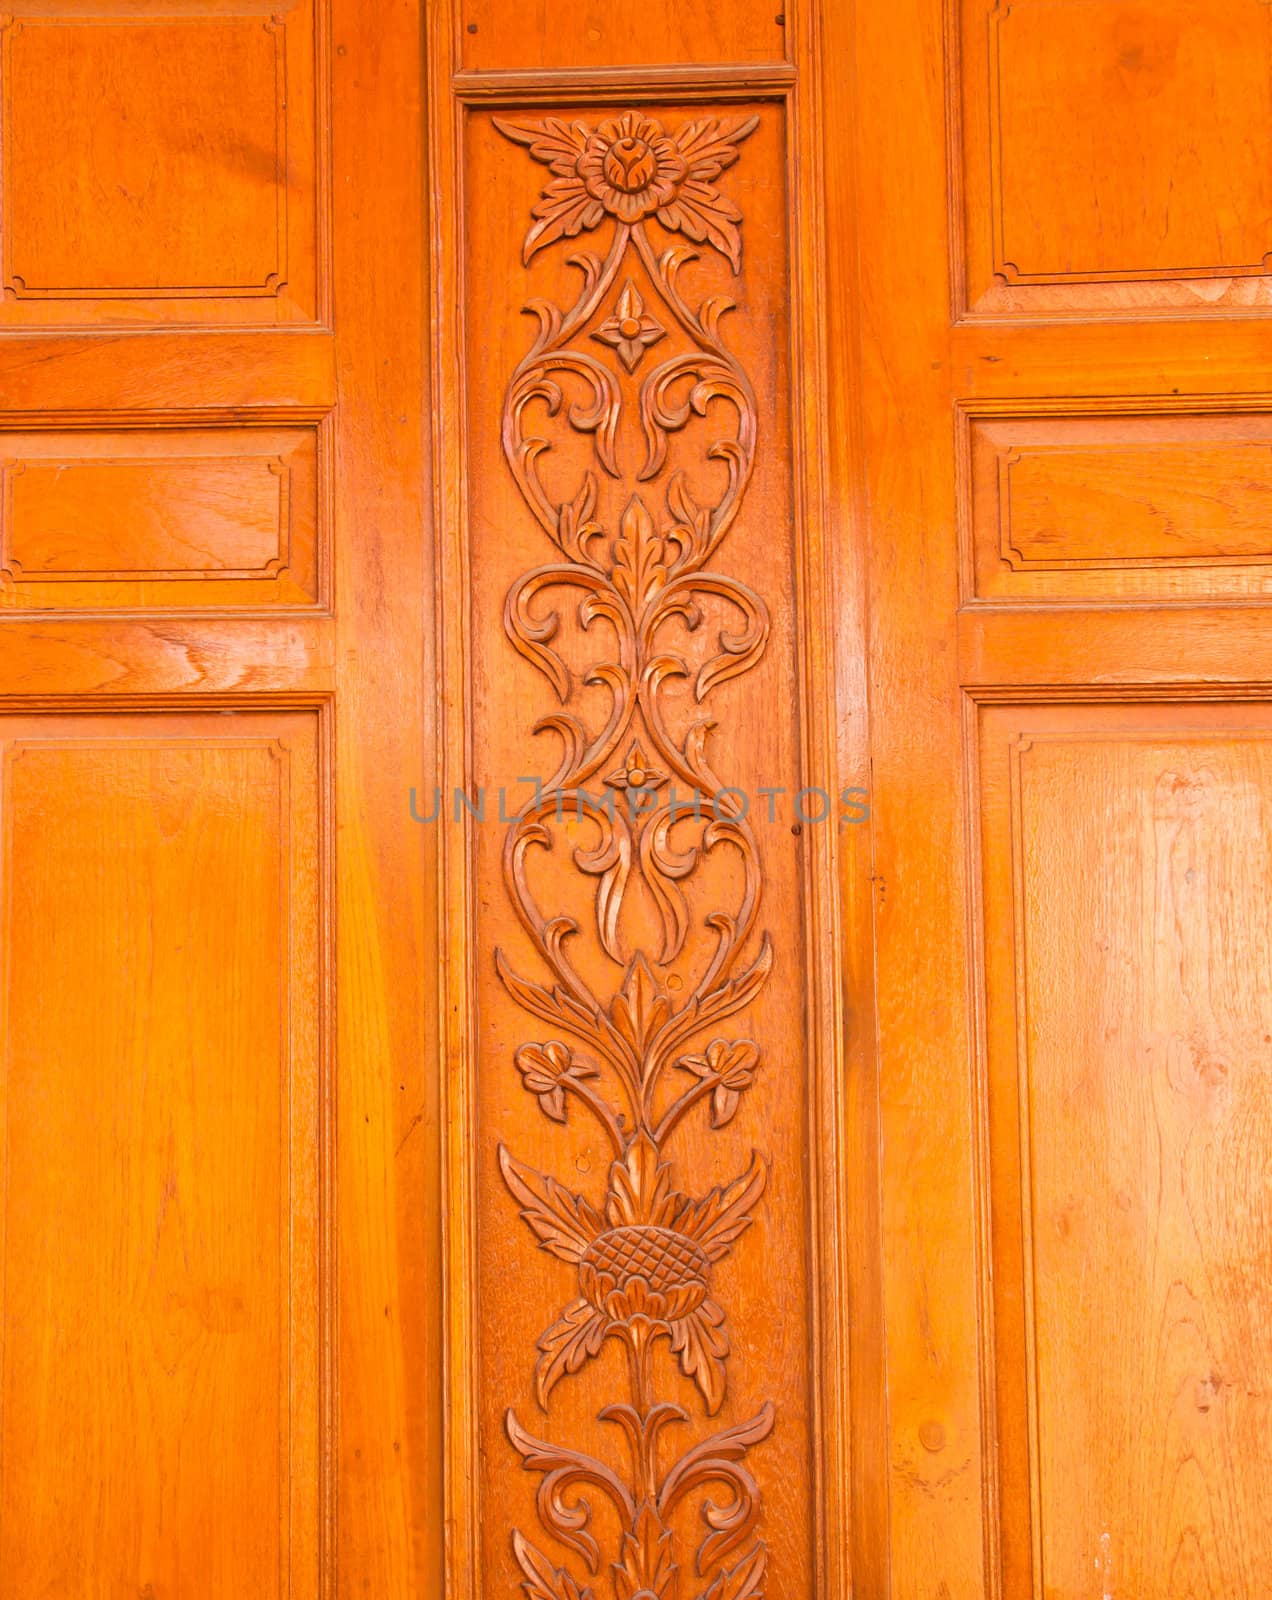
<point x="642" y="1122"/>
<point x="852" y="397"/>
<point x="219" y="1324"/>
<point x="1111" y="509"/>
<point x="158" y="519"/>
<point x="1069" y="666"/>
<point x="124" y="207"/>
<point x="1154" y="203"/>
<point x="689" y="1159"/>
<point x="495" y="35"/>
<point x="1128" y="1135"/>
<point x="164" y="1102"/>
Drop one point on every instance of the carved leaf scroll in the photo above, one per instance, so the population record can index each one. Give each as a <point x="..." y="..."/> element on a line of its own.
<point x="631" y="547"/>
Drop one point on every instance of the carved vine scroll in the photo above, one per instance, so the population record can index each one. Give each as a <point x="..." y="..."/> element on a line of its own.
<point x="634" y="359"/>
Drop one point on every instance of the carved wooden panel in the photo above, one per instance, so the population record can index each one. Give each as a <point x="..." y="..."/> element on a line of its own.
<point x="128" y="192"/>
<point x="1112" y="154"/>
<point x="643" y="1311"/>
<point x="159" y="517"/>
<point x="503" y="35"/>
<point x="160" y="1098"/>
<point x="1167" y="505"/>
<point x="1127" y="863"/>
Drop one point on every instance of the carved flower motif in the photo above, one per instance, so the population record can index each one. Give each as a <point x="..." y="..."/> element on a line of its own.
<point x="629" y="330"/>
<point x="644" y="1263"/>
<point x="630" y="167"/>
<point x="636" y="772"/>
<point x="546" y="1069"/>
<point x="729" y="1065"/>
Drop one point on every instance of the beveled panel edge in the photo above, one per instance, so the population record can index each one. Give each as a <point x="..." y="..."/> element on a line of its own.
<point x="319" y="419"/>
<point x="1011" y="274"/>
<point x="321" y="704"/>
<point x="962" y="311"/>
<point x="275" y="17"/>
<point x="566" y="86"/>
<point x="968" y="411"/>
<point x="1081" y="694"/>
<point x="974" y="702"/>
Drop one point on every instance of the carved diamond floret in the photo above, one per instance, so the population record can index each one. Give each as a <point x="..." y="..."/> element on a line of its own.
<point x="638" y="772"/>
<point x="629" y="330"/>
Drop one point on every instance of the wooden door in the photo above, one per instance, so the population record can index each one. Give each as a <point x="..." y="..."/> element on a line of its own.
<point x="1064" y="219"/>
<point x="634" y="665"/>
<point x="218" y="1356"/>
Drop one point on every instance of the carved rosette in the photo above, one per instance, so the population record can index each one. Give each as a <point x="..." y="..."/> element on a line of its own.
<point x="634" y="369"/>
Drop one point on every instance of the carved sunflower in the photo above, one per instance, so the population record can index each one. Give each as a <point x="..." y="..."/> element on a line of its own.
<point x="630" y="167"/>
<point x="644" y="1263"/>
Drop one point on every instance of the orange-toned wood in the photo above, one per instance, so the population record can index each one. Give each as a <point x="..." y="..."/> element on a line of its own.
<point x="864" y="1205"/>
<point x="121" y="206"/>
<point x="88" y="380"/>
<point x="164" y="1102"/>
<point x="494" y="35"/>
<point x="220" y="1320"/>
<point x="162" y="518"/>
<point x="387" y="1492"/>
<point x="644" y="1071"/>
<point x="761" y="1136"/>
<point x="1068" y="668"/>
<point x="1126" y="852"/>
<point x="1107" y="155"/>
<point x="1107" y="508"/>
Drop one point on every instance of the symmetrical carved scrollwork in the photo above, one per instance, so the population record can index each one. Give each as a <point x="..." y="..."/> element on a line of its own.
<point x="632" y="549"/>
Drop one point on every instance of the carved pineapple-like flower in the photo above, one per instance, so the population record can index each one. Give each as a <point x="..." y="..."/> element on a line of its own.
<point x="630" y="167"/>
<point x="644" y="1262"/>
<point x="644" y="1271"/>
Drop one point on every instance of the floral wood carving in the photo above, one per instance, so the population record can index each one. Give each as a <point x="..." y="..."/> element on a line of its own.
<point x="632" y="544"/>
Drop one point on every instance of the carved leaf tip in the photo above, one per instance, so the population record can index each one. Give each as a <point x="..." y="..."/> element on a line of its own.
<point x="543" y="1581"/>
<point x="745" y="1581"/>
<point x="563" y="1222"/>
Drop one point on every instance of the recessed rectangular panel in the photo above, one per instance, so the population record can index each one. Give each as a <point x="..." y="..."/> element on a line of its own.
<point x="160" y="1117"/>
<point x="160" y="167"/>
<point x="641" y="1061"/>
<point x="159" y="517"/>
<point x="1128" y="879"/>
<point x="500" y="34"/>
<point x="1112" y="154"/>
<point x="1082" y="507"/>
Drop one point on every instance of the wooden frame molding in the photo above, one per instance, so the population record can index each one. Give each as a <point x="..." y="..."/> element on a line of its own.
<point x="605" y="1054"/>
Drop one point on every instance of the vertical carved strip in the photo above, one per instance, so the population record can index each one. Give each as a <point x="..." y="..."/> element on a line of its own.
<point x="631" y="545"/>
